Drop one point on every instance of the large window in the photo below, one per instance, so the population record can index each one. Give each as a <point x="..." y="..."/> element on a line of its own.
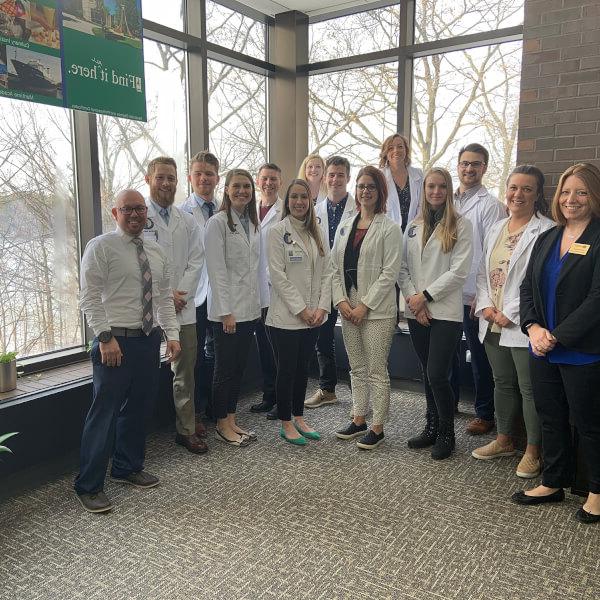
<point x="38" y="231"/>
<point x="126" y="147"/>
<point x="237" y="116"/>
<point x="468" y="96"/>
<point x="351" y="112"/>
<point x="170" y="14"/>
<point x="355" y="34"/>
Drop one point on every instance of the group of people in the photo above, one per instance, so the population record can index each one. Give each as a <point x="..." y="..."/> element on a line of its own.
<point x="211" y="276"/>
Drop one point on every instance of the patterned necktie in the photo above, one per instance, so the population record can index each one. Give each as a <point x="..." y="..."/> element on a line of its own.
<point x="164" y="213"/>
<point x="147" y="320"/>
<point x="211" y="209"/>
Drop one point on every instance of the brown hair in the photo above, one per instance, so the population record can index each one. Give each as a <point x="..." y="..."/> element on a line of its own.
<point x="540" y="205"/>
<point x="590" y="175"/>
<point x="447" y="232"/>
<point x="385" y="148"/>
<point x="311" y="218"/>
<point x="160" y="160"/>
<point x="207" y="157"/>
<point x="380" y="184"/>
<point x="338" y="161"/>
<point x="226" y="203"/>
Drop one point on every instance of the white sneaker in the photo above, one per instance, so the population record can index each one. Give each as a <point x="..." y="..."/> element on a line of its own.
<point x="319" y="398"/>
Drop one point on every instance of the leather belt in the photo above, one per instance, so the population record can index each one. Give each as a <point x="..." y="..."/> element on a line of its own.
<point x="124" y="332"/>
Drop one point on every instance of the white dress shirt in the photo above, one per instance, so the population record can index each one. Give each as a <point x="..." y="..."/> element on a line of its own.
<point x="111" y="285"/>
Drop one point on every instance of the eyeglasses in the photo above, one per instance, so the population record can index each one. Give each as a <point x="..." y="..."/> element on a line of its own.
<point x="476" y="164"/>
<point x="127" y="210"/>
<point x="370" y="187"/>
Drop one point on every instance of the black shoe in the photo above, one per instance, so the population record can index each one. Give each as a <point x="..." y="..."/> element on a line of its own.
<point x="583" y="516"/>
<point x="370" y="441"/>
<point x="428" y="436"/>
<point x="525" y="500"/>
<point x="272" y="414"/>
<point x="444" y="443"/>
<point x="351" y="431"/>
<point x="263" y="406"/>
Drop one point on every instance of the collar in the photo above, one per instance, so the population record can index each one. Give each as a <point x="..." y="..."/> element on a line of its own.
<point x="341" y="203"/>
<point x="158" y="207"/>
<point x="467" y="193"/>
<point x="127" y="237"/>
<point x="200" y="201"/>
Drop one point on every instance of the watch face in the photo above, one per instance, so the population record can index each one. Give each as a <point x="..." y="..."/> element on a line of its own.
<point x="105" y="336"/>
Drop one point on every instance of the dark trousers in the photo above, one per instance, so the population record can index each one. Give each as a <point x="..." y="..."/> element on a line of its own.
<point x="267" y="359"/>
<point x="293" y="350"/>
<point x="205" y="360"/>
<point x="231" y="356"/>
<point x="483" y="378"/>
<point x="435" y="347"/>
<point x="115" y="422"/>
<point x="326" y="353"/>
<point x="560" y="391"/>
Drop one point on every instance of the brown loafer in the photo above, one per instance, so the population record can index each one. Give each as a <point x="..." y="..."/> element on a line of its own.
<point x="200" y="429"/>
<point x="479" y="426"/>
<point x="192" y="443"/>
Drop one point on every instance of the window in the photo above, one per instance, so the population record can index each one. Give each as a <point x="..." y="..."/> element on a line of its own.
<point x="441" y="19"/>
<point x="235" y="31"/>
<point x="38" y="231"/>
<point x="355" y="34"/>
<point x="481" y="105"/>
<point x="351" y="112"/>
<point x="126" y="147"/>
<point x="170" y="14"/>
<point x="237" y="116"/>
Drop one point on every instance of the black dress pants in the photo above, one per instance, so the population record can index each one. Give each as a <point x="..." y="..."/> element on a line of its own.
<point x="267" y="359"/>
<point x="326" y="353"/>
<point x="561" y="391"/>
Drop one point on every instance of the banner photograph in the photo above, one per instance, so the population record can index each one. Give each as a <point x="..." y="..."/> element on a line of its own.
<point x="81" y="54"/>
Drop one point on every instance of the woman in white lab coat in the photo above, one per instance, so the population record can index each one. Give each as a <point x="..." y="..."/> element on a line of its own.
<point x="300" y="273"/>
<point x="438" y="247"/>
<point x="312" y="170"/>
<point x="237" y="293"/>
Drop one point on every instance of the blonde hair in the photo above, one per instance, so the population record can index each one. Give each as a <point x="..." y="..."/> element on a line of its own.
<point x="302" y="170"/>
<point x="447" y="231"/>
<point x="311" y="218"/>
<point x="385" y="148"/>
<point x="590" y="175"/>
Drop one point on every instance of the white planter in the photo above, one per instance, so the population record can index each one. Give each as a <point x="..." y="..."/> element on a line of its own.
<point x="8" y="376"/>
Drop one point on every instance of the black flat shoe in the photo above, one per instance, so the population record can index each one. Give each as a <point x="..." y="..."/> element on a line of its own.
<point x="261" y="407"/>
<point x="272" y="415"/>
<point x="583" y="516"/>
<point x="521" y="498"/>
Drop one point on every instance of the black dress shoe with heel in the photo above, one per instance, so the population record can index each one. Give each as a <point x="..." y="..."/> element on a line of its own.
<point x="522" y="498"/>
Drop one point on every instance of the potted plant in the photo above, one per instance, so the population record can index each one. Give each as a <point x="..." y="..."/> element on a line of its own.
<point x="3" y="438"/>
<point x="8" y="371"/>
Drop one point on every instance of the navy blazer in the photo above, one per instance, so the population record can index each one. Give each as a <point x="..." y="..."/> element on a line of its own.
<point x="577" y="291"/>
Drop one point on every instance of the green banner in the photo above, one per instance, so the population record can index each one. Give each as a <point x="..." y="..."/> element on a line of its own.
<point x="81" y="54"/>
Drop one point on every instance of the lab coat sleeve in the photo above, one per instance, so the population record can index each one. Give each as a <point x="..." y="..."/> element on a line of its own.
<point x="404" y="281"/>
<point x="215" y="248"/>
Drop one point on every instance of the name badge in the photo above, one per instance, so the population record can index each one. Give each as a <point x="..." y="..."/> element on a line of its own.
<point x="150" y="235"/>
<point x="295" y="256"/>
<point x="581" y="249"/>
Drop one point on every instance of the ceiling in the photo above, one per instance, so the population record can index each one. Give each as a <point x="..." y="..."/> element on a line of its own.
<point x="310" y="7"/>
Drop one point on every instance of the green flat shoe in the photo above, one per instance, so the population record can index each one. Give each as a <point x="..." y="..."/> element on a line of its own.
<point x="301" y="441"/>
<point x="309" y="435"/>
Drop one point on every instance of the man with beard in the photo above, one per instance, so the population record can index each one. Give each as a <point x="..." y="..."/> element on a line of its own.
<point x="179" y="236"/>
<point x="126" y="297"/>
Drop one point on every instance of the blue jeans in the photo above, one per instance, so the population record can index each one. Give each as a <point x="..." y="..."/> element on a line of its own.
<point x="114" y="425"/>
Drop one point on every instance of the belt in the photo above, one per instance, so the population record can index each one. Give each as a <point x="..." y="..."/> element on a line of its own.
<point x="124" y="332"/>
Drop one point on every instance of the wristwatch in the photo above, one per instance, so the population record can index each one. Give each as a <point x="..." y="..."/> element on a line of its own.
<point x="105" y="336"/>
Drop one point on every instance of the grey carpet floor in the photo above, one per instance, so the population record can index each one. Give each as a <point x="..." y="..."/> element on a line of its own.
<point x="273" y="521"/>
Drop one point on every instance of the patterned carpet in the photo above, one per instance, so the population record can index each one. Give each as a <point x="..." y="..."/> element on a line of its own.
<point x="327" y="521"/>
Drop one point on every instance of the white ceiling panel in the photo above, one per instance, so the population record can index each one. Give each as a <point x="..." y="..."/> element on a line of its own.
<point x="310" y="7"/>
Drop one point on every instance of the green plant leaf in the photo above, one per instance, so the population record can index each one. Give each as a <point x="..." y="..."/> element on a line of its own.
<point x="3" y="438"/>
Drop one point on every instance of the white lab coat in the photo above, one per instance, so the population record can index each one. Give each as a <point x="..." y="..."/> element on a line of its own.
<point x="377" y="269"/>
<point x="511" y="336"/>
<point x="180" y="241"/>
<point x="441" y="274"/>
<point x="295" y="283"/>
<point x="483" y="210"/>
<point x="191" y="206"/>
<point x="237" y="285"/>
<point x="415" y="182"/>
<point x="322" y="217"/>
<point x="273" y="217"/>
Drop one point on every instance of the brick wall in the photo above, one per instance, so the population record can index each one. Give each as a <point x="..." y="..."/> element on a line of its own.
<point x="560" y="86"/>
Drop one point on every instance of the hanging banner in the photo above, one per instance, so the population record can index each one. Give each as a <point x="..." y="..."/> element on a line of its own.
<point x="81" y="54"/>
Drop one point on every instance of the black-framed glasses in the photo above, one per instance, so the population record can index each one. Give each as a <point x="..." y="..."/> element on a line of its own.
<point x="476" y="164"/>
<point x="369" y="187"/>
<point x="127" y="210"/>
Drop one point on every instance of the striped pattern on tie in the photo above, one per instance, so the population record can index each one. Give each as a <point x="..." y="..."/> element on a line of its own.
<point x="147" y="319"/>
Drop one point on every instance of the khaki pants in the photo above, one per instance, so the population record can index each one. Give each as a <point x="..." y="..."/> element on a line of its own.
<point x="183" y="381"/>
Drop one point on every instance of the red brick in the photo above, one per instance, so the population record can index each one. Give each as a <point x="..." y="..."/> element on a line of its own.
<point x="526" y="145"/>
<point x="529" y="95"/>
<point x="532" y="45"/>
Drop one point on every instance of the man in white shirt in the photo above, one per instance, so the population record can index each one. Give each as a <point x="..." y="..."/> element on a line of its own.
<point x="126" y="297"/>
<point x="202" y="204"/>
<point x="270" y="206"/>
<point x="474" y="202"/>
<point x="178" y="234"/>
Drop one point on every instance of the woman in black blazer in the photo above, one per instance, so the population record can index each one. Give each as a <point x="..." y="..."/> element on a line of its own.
<point x="560" y="312"/>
